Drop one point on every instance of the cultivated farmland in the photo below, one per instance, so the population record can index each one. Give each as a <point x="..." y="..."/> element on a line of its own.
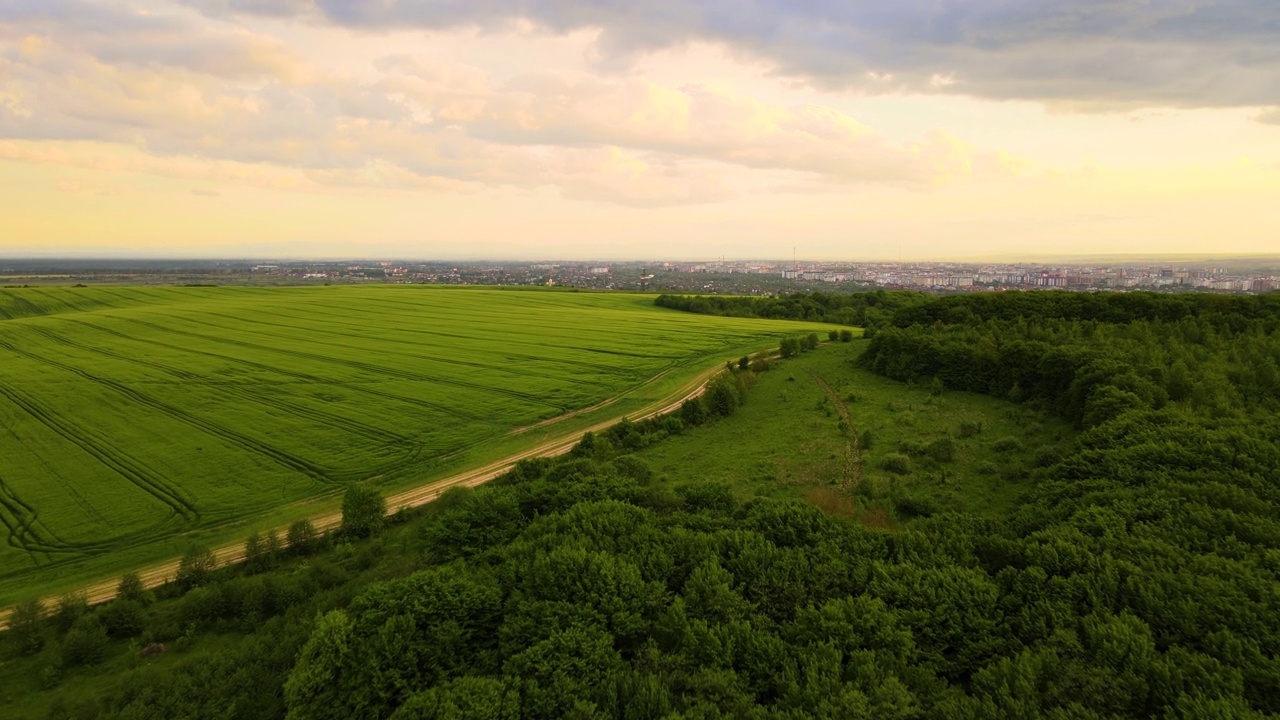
<point x="134" y="421"/>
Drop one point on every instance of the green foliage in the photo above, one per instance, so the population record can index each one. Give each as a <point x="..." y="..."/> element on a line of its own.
<point x="722" y="396"/>
<point x="790" y="347"/>
<point x="363" y="511"/>
<point x="131" y="587"/>
<point x="195" y="567"/>
<point x="942" y="450"/>
<point x="86" y="642"/>
<point x="809" y="342"/>
<point x="26" y="629"/>
<point x="123" y="618"/>
<point x="896" y="463"/>
<point x="301" y="537"/>
<point x="70" y="608"/>
<point x="744" y="362"/>
<point x="1006" y="444"/>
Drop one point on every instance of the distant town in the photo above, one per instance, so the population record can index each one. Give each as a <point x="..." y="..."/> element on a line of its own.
<point x="738" y="277"/>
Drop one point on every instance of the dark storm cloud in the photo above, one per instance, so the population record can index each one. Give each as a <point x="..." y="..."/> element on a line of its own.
<point x="1082" y="54"/>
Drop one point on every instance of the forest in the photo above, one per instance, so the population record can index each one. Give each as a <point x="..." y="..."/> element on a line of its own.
<point x="861" y="309"/>
<point x="1137" y="576"/>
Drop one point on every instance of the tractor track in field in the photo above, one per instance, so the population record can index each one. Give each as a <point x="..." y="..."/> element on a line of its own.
<point x="281" y="457"/>
<point x="304" y="377"/>
<point x="354" y="427"/>
<point x="376" y="370"/>
<point x="157" y="575"/>
<point x="116" y="459"/>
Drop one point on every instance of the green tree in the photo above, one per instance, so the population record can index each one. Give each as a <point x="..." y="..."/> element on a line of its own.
<point x="195" y="567"/>
<point x="26" y="627"/>
<point x="722" y="396"/>
<point x="301" y="537"/>
<point x="790" y="347"/>
<point x="70" y="608"/>
<point x="254" y="553"/>
<point x="86" y="642"/>
<point x="130" y="587"/>
<point x="122" y="618"/>
<point x="744" y="362"/>
<point x="810" y="341"/>
<point x="363" y="511"/>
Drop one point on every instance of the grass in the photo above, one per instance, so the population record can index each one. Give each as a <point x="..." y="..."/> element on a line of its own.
<point x="136" y="421"/>
<point x="928" y="453"/>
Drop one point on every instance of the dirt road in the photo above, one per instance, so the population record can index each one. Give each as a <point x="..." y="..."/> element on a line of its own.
<point x="156" y="575"/>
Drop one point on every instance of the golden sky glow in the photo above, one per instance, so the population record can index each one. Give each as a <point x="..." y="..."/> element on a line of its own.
<point x="310" y="128"/>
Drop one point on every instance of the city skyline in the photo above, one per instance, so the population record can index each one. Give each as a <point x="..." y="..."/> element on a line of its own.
<point x="917" y="131"/>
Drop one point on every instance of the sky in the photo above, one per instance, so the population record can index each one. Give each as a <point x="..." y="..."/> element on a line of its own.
<point x="611" y="129"/>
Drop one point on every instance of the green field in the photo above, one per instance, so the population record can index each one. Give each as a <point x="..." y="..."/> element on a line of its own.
<point x="964" y="452"/>
<point x="134" y="421"/>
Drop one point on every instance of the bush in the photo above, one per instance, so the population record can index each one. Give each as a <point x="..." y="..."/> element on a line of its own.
<point x="195" y="567"/>
<point x="896" y="463"/>
<point x="809" y="342"/>
<point x="833" y="335"/>
<point x="25" y="626"/>
<point x="1047" y="456"/>
<point x="70" y="609"/>
<point x="970" y="428"/>
<point x="130" y="587"/>
<point x="363" y="511"/>
<point x="942" y="450"/>
<point x="86" y="643"/>
<point x="301" y="537"/>
<point x="122" y="618"/>
<point x="915" y="506"/>
<point x="744" y="362"/>
<point x="866" y="441"/>
<point x="846" y="336"/>
<point x="1006" y="445"/>
<point x="790" y="347"/>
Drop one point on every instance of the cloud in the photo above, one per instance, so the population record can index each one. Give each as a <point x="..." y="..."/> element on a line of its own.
<point x="180" y="85"/>
<point x="1270" y="116"/>
<point x="1076" y="54"/>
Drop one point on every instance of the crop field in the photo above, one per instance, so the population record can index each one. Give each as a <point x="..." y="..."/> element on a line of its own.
<point x="134" y="421"/>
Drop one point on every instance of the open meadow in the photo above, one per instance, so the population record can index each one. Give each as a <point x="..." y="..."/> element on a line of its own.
<point x="136" y="421"/>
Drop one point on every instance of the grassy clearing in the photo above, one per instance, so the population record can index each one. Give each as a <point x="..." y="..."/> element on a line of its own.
<point x="927" y="453"/>
<point x="134" y="421"/>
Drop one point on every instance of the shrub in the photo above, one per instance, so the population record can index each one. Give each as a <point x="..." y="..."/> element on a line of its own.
<point x="130" y="587"/>
<point x="122" y="618"/>
<point x="809" y="342"/>
<point x="86" y="643"/>
<point x="970" y="428"/>
<point x="363" y="511"/>
<point x="833" y="335"/>
<point x="896" y="463"/>
<point x="915" y="506"/>
<point x="195" y="567"/>
<point x="942" y="450"/>
<point x="846" y="336"/>
<point x="1006" y="445"/>
<point x="790" y="347"/>
<point x="301" y="537"/>
<point x="25" y="627"/>
<point x="70" y="609"/>
<point x="866" y="441"/>
<point x="1047" y="456"/>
